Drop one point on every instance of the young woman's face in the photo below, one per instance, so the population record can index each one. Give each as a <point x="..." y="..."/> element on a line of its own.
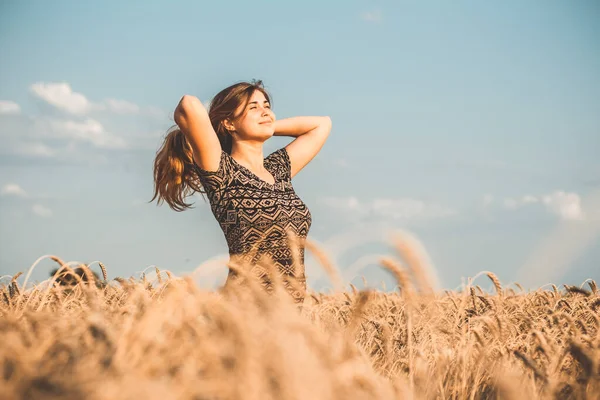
<point x="256" y="121"/>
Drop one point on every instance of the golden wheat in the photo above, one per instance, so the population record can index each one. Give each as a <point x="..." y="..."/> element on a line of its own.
<point x="170" y="339"/>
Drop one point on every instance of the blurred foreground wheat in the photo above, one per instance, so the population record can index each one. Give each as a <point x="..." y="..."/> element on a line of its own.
<point x="167" y="339"/>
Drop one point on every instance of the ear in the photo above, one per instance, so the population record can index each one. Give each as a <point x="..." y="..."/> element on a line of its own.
<point x="228" y="125"/>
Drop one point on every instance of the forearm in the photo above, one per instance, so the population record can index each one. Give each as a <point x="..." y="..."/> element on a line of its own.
<point x="298" y="126"/>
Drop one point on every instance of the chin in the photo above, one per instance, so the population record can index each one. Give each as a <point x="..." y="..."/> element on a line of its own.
<point x="262" y="135"/>
<point x="268" y="132"/>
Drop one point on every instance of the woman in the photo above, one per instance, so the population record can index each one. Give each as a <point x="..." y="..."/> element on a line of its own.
<point x="220" y="152"/>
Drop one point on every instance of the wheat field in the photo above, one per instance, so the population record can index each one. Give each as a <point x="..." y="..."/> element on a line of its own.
<point x="168" y="339"/>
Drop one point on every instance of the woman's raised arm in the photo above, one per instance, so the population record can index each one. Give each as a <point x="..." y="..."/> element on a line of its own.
<point x="310" y="133"/>
<point x="192" y="118"/>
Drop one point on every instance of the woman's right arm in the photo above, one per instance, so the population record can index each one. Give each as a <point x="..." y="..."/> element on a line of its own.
<point x="192" y="118"/>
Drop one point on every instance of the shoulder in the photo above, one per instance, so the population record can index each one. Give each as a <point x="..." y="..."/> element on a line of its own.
<point x="224" y="165"/>
<point x="280" y="162"/>
<point x="219" y="179"/>
<point x="280" y="156"/>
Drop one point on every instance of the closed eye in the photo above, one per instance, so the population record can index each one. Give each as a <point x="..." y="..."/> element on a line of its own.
<point x="267" y="105"/>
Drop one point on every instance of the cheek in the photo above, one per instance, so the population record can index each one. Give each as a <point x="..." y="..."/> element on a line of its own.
<point x="244" y="122"/>
<point x="248" y="124"/>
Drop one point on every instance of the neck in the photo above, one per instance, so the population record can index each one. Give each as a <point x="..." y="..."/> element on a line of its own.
<point x="249" y="154"/>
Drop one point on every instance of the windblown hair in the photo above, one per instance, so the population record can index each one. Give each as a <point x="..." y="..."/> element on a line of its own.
<point x="175" y="177"/>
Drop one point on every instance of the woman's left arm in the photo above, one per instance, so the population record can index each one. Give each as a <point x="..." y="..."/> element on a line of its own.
<point x="310" y="134"/>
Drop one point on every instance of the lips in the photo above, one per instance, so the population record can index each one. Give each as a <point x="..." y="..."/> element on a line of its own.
<point x="265" y="122"/>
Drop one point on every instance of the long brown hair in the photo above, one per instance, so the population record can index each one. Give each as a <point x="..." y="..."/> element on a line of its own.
<point x="174" y="172"/>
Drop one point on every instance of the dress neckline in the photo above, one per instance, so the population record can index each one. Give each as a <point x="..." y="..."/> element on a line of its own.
<point x="266" y="163"/>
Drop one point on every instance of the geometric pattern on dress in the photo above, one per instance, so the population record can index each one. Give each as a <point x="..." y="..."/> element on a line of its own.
<point x="254" y="214"/>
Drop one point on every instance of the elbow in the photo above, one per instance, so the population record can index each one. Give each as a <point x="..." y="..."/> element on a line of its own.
<point x="188" y="99"/>
<point x="188" y="105"/>
<point x="327" y="123"/>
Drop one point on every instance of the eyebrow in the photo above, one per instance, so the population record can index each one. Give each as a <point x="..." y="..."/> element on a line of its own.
<point x="256" y="102"/>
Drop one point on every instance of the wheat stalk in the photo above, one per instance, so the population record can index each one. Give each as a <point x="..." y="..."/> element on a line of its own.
<point x="496" y="282"/>
<point x="531" y="365"/>
<point x="327" y="265"/>
<point x="103" y="269"/>
<point x="593" y="286"/>
<point x="577" y="290"/>
<point x="587" y="362"/>
<point x="399" y="275"/>
<point x="402" y="279"/>
<point x="13" y="287"/>
<point x="414" y="261"/>
<point x="160" y="281"/>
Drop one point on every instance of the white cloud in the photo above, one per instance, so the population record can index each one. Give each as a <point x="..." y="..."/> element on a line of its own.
<point x="9" y="107"/>
<point x="154" y="112"/>
<point x="122" y="106"/>
<point x="346" y="204"/>
<point x="42" y="211"/>
<point x="408" y="208"/>
<point x="89" y="130"/>
<point x="511" y="204"/>
<point x="488" y="200"/>
<point x="36" y="149"/>
<point x="557" y="251"/>
<point x="514" y="203"/>
<point x="62" y="96"/>
<point x="565" y="205"/>
<point x="84" y="126"/>
<point x="528" y="199"/>
<point x="372" y="16"/>
<point x="12" y="189"/>
<point x="402" y="208"/>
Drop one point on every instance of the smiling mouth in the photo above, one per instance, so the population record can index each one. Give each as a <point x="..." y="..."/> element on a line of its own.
<point x="266" y="122"/>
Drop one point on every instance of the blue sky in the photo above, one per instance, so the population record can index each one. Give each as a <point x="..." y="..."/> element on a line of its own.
<point x="475" y="126"/>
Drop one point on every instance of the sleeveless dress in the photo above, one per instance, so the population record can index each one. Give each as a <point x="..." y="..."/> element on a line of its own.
<point x="255" y="215"/>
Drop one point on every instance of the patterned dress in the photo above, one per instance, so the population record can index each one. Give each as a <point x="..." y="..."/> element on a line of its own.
<point x="255" y="216"/>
